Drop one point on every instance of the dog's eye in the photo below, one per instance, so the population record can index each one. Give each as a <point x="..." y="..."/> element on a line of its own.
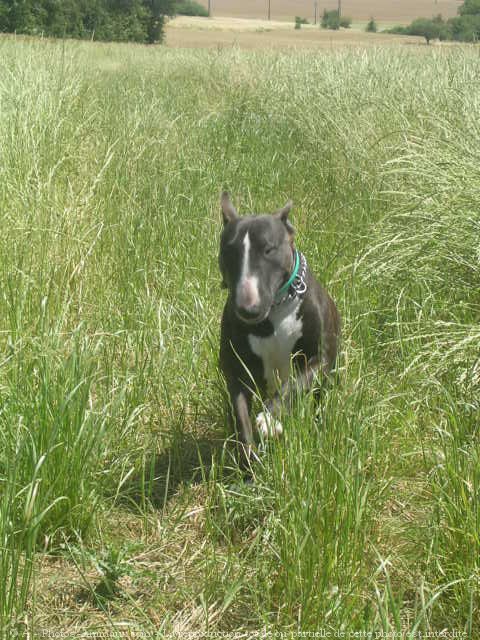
<point x="269" y="249"/>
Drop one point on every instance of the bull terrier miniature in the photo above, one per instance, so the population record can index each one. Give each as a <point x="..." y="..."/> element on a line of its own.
<point x="277" y="319"/>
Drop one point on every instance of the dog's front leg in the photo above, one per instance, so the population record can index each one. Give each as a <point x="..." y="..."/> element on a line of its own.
<point x="241" y="401"/>
<point x="267" y="421"/>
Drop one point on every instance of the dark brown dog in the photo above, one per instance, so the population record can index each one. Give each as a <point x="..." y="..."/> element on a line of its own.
<point x="276" y="314"/>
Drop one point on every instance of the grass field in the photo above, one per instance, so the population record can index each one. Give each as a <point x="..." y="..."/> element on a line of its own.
<point x="122" y="510"/>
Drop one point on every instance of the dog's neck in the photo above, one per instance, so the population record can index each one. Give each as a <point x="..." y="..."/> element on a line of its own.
<point x="296" y="285"/>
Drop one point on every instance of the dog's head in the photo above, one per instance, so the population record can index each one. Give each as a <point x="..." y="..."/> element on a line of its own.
<point x="256" y="258"/>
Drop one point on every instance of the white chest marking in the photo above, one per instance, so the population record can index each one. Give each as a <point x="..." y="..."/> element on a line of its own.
<point x="276" y="350"/>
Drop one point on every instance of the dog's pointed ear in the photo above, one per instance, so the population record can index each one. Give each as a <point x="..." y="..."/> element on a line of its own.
<point x="282" y="214"/>
<point x="228" y="210"/>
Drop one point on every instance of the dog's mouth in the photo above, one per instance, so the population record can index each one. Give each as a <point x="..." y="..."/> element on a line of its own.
<point x="250" y="318"/>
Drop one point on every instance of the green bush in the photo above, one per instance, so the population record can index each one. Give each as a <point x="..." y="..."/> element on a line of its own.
<point x="330" y="20"/>
<point x="467" y="26"/>
<point x="299" y="21"/>
<point x="470" y="8"/>
<point x="429" y="29"/>
<point x="132" y="20"/>
<point x="371" y="26"/>
<point x="398" y="30"/>
<point x="464" y="28"/>
<point x="190" y="8"/>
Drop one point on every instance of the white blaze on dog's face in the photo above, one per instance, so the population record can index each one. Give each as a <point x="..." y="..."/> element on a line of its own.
<point x="247" y="294"/>
<point x="256" y="259"/>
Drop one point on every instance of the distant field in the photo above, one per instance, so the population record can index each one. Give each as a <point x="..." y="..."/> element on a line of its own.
<point x="250" y="33"/>
<point x="386" y="10"/>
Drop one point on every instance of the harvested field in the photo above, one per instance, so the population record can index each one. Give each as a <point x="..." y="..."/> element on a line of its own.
<point x="260" y="34"/>
<point x="384" y="10"/>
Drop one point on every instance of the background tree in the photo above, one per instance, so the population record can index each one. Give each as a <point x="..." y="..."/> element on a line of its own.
<point x="466" y="27"/>
<point x="157" y="10"/>
<point x="429" y="29"/>
<point x="121" y="20"/>
<point x="371" y="26"/>
<point x="470" y="8"/>
<point x="330" y="20"/>
<point x="190" y="8"/>
<point x="333" y="20"/>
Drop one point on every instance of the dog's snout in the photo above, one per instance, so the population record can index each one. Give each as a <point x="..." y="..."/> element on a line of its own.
<point x="248" y="299"/>
<point x="249" y="311"/>
<point x="248" y="296"/>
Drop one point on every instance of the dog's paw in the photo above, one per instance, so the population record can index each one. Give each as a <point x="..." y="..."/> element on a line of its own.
<point x="268" y="426"/>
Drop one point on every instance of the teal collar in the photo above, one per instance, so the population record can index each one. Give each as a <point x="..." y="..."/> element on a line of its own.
<point x="284" y="288"/>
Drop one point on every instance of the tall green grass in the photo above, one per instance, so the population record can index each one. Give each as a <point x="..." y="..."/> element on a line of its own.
<point x="364" y="517"/>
